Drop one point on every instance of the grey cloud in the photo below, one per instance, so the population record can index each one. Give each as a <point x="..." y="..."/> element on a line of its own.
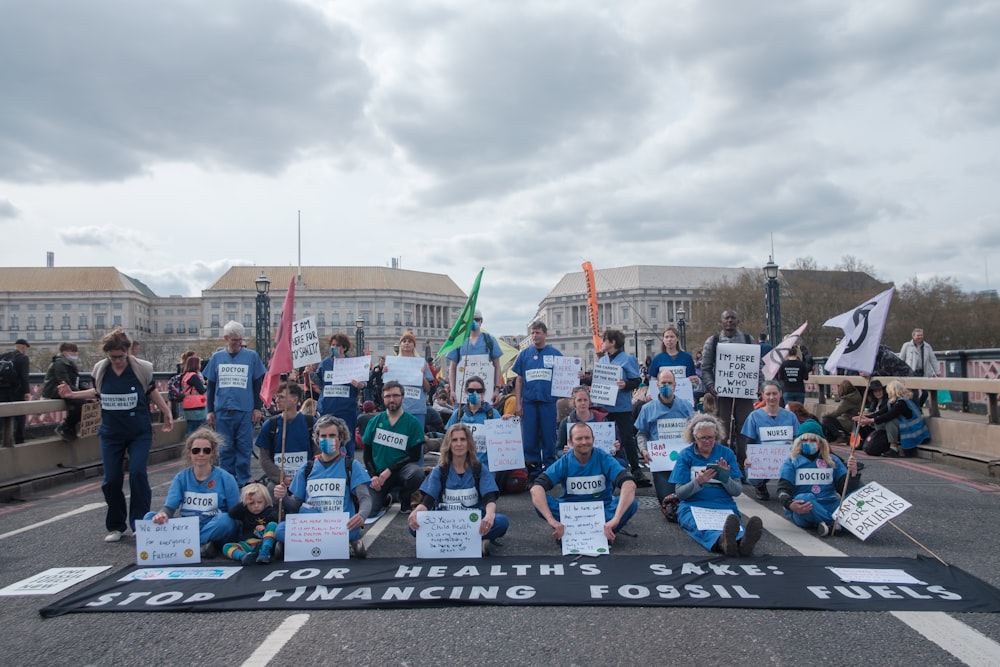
<point x="104" y="89"/>
<point x="188" y="279"/>
<point x="7" y="210"/>
<point x="108" y="236"/>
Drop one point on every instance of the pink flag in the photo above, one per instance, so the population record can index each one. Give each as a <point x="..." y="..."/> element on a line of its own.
<point x="281" y="360"/>
<point x="777" y="356"/>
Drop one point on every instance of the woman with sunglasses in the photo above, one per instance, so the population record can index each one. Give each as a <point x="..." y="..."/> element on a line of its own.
<point x="204" y="490"/>
<point x="812" y="479"/>
<point x="124" y="385"/>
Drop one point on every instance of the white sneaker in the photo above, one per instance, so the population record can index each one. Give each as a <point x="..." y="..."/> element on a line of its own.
<point x="114" y="536"/>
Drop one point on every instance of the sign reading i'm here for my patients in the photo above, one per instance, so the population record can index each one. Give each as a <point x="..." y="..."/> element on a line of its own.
<point x="737" y="370"/>
<point x="869" y="508"/>
<point x="174" y="542"/>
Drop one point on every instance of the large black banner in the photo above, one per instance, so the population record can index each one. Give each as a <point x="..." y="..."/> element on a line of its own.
<point x="844" y="584"/>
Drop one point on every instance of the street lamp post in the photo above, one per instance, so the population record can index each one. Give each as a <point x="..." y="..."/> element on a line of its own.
<point x="682" y="326"/>
<point x="637" y="344"/>
<point x="648" y="340"/>
<point x="359" y="343"/>
<point x="772" y="292"/>
<point x="263" y="318"/>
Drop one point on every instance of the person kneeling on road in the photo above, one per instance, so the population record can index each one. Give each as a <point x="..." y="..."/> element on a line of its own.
<point x="586" y="474"/>
<point x="812" y="478"/>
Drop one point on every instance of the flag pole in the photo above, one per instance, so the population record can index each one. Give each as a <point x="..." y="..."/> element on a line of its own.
<point x="854" y="443"/>
<point x="284" y="427"/>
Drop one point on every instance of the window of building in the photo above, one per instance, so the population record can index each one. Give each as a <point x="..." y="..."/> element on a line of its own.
<point x="66" y="322"/>
<point x="14" y="324"/>
<point x="67" y="306"/>
<point x="117" y="321"/>
<point x="117" y="306"/>
<point x="168" y="311"/>
<point x="246" y="320"/>
<point x="82" y="322"/>
<point x="321" y="319"/>
<point x="180" y="311"/>
<point x="624" y="313"/>
<point x="216" y="305"/>
<point x="50" y="306"/>
<point x="32" y="306"/>
<point x="652" y="312"/>
<point x="32" y="323"/>
<point x="335" y="319"/>
<point x="99" y="321"/>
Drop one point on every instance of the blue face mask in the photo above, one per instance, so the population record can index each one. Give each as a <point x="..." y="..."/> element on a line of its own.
<point x="810" y="448"/>
<point x="473" y="398"/>
<point x="328" y="446"/>
<point x="334" y="351"/>
<point x="475" y="325"/>
<point x="666" y="391"/>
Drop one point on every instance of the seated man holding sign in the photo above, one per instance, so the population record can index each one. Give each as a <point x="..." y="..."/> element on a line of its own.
<point x="663" y="420"/>
<point x="330" y="483"/>
<point x="812" y="479"/>
<point x="707" y="479"/>
<point x="394" y="443"/>
<point x="769" y="426"/>
<point x="285" y="440"/>
<point x="460" y="481"/>
<point x="586" y="474"/>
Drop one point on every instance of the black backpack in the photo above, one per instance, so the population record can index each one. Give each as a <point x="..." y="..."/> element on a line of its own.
<point x="273" y="430"/>
<point x="9" y="377"/>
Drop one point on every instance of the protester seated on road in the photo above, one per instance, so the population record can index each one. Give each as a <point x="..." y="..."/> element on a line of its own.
<point x="699" y="485"/>
<point x="442" y="403"/>
<point x="663" y="418"/>
<point x="204" y="490"/>
<point x="901" y="424"/>
<point x="586" y="474"/>
<point x="461" y="481"/>
<point x="812" y="480"/>
<point x="331" y="482"/>
<point x="839" y="424"/>
<point x="257" y="521"/>
<point x="583" y="411"/>
<point x="473" y="411"/>
<point x="769" y="424"/>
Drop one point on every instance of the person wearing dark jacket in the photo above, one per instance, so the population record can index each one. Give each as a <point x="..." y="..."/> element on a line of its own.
<point x="64" y="368"/>
<point x="18" y="389"/>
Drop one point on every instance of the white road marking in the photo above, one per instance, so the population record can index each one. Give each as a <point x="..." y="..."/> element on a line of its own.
<point x="276" y="641"/>
<point x="39" y="524"/>
<point x="965" y="643"/>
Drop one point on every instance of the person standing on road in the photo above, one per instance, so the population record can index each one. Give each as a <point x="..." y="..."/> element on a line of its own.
<point x="14" y="385"/>
<point x="235" y="375"/>
<point x="534" y="400"/>
<point x="919" y="355"/>
<point x="478" y="342"/>
<point x="339" y="400"/>
<point x="732" y="412"/>
<point x="125" y="388"/>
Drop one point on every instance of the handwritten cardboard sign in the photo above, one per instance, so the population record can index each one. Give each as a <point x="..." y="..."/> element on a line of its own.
<point x="664" y="453"/>
<point x="475" y="365"/>
<point x="317" y="536"/>
<point x="604" y="435"/>
<point x="584" y="524"/>
<point x="504" y="446"/>
<point x="449" y="534"/>
<point x="604" y="386"/>
<point x="90" y="420"/>
<point x="869" y="508"/>
<point x="565" y="375"/>
<point x="347" y="369"/>
<point x="764" y="461"/>
<point x="737" y="370"/>
<point x="707" y="518"/>
<point x="305" y="343"/>
<point x="172" y="543"/>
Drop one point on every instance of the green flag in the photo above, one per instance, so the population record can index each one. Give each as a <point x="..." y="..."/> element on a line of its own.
<point x="463" y="325"/>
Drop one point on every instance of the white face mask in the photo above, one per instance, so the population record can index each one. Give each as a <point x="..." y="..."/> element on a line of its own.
<point x="74" y="358"/>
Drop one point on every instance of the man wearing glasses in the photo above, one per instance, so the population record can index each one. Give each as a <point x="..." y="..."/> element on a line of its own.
<point x="478" y="343"/>
<point x="235" y="375"/>
<point x="394" y="445"/>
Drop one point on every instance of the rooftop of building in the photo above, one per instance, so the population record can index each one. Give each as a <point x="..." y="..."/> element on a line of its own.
<point x="240" y="278"/>
<point x="643" y="276"/>
<point x="70" y="279"/>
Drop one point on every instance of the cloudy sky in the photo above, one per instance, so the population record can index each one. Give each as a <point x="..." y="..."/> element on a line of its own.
<point x="173" y="139"/>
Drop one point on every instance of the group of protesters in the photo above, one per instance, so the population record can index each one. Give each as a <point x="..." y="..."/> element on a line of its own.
<point x="310" y="463"/>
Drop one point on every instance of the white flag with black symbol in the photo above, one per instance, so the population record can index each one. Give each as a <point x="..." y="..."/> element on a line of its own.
<point x="863" y="327"/>
<point x="777" y="356"/>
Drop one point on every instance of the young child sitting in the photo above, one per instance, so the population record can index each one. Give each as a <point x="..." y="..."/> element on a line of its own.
<point x="258" y="520"/>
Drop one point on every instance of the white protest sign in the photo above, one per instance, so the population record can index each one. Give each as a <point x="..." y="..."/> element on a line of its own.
<point x="449" y="534"/>
<point x="504" y="447"/>
<point x="407" y="371"/>
<point x="218" y="573"/>
<point x="737" y="370"/>
<point x="584" y="524"/>
<point x="51" y="581"/>
<point x="764" y="461"/>
<point x="682" y="385"/>
<point x="869" y="508"/>
<point x="604" y="435"/>
<point x="346" y="369"/>
<point x="316" y="536"/>
<point x="565" y="375"/>
<point x="663" y="454"/>
<point x="867" y="575"/>
<point x="305" y="343"/>
<point x="709" y="519"/>
<point x="175" y="542"/>
<point x="478" y="366"/>
<point x="604" y="385"/>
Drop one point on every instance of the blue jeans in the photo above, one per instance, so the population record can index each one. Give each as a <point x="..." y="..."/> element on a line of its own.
<point x="236" y="429"/>
<point x="113" y="451"/>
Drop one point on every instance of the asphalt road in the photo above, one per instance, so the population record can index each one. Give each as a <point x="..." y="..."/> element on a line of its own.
<point x="954" y="514"/>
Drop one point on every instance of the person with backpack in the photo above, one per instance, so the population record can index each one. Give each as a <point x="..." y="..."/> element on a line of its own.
<point x="332" y="482"/>
<point x="478" y="343"/>
<point x="65" y="368"/>
<point x="194" y="401"/>
<point x="14" y="385"/>
<point x="473" y="412"/>
<point x="461" y="481"/>
<point x="284" y="442"/>
<point x="339" y="400"/>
